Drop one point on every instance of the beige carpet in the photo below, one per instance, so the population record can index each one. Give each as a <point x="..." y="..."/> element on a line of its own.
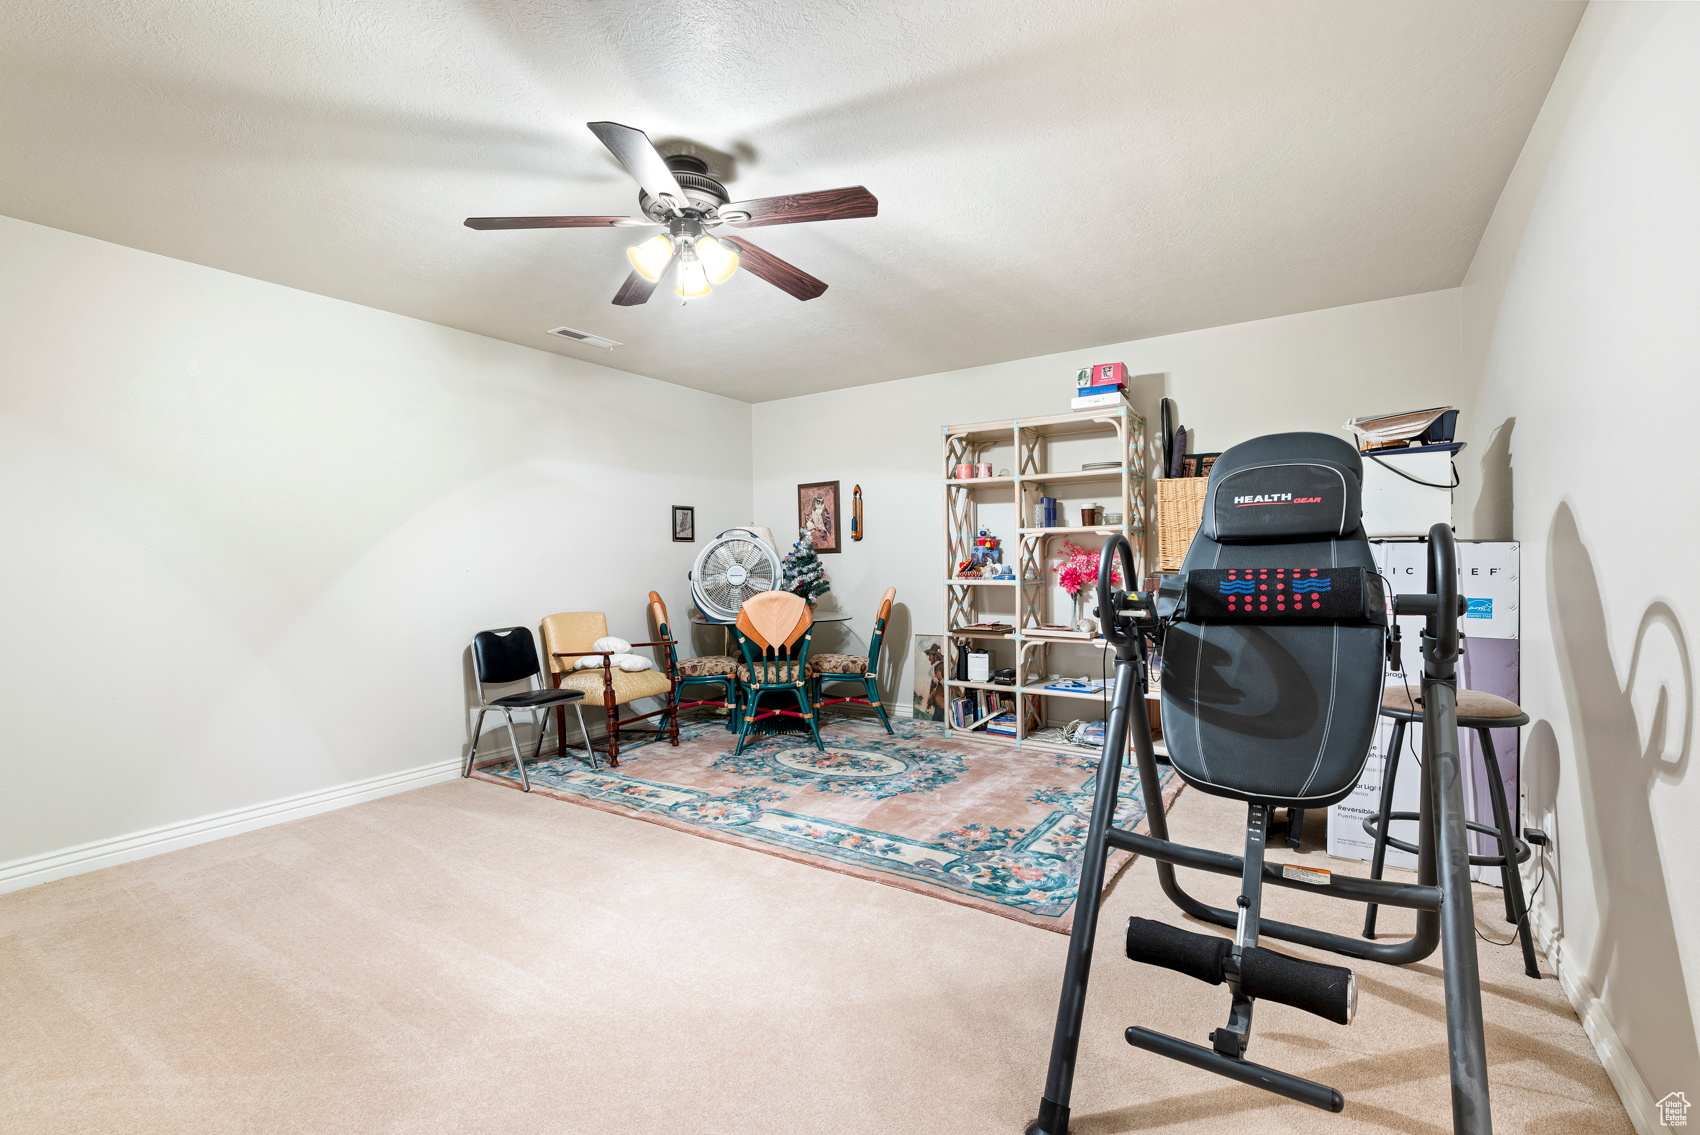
<point x="466" y="958"/>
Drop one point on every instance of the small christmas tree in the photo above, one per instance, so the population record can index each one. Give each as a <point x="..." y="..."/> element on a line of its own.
<point x="805" y="575"/>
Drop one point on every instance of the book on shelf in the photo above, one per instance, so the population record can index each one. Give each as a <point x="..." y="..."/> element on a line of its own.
<point x="984" y="628"/>
<point x="1047" y="512"/>
<point x="1003" y="725"/>
<point x="978" y="708"/>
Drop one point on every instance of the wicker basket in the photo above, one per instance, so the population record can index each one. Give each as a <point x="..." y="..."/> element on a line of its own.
<point x="1180" y="510"/>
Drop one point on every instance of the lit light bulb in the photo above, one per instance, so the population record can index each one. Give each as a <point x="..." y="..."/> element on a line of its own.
<point x="718" y="260"/>
<point x="692" y="279"/>
<point x="651" y="258"/>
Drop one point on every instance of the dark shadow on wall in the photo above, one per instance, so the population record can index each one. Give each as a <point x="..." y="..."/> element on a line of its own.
<point x="1540" y="774"/>
<point x="1492" y="519"/>
<point x="894" y="652"/>
<point x="1636" y="966"/>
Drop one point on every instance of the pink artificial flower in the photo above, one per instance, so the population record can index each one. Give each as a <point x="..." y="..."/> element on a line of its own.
<point x="1079" y="568"/>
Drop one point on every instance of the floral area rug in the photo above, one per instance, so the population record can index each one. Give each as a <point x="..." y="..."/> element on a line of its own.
<point x="959" y="818"/>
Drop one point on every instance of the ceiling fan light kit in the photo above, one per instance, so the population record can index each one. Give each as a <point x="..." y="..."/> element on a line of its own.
<point x="718" y="260"/>
<point x="651" y="258"/>
<point x="693" y="280"/>
<point x="678" y="195"/>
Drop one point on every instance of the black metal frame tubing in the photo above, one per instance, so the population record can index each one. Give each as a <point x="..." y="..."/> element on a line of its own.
<point x="1441" y="896"/>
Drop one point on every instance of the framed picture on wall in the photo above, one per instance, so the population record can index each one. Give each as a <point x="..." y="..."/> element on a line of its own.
<point x="929" y="677"/>
<point x="817" y="514"/>
<point x="684" y="523"/>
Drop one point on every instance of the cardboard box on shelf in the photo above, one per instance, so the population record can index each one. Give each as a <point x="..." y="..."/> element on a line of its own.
<point x="1102" y="374"/>
<point x="1098" y="401"/>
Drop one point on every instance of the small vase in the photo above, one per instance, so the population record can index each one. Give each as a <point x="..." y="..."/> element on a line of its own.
<point x="1080" y="623"/>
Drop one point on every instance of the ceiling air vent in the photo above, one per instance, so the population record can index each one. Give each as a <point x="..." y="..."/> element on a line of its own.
<point x="584" y="337"/>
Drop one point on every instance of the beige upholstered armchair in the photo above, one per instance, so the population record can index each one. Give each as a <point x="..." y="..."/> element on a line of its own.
<point x="571" y="635"/>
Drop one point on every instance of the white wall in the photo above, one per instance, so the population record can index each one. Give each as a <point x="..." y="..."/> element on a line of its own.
<point x="250" y="530"/>
<point x="1297" y="372"/>
<point x="1582" y="354"/>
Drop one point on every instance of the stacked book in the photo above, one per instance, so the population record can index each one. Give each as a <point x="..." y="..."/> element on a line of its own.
<point x="1100" y="387"/>
<point x="974" y="709"/>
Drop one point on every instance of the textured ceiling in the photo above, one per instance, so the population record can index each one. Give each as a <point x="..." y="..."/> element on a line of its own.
<point x="1051" y="175"/>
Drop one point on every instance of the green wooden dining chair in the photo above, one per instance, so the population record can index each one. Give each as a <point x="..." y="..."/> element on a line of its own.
<point x="769" y="626"/>
<point x="717" y="670"/>
<point x="826" y="668"/>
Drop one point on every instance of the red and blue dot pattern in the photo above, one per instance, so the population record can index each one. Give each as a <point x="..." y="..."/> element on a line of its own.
<point x="1263" y="589"/>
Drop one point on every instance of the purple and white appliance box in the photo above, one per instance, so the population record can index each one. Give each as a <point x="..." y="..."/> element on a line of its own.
<point x="1488" y="578"/>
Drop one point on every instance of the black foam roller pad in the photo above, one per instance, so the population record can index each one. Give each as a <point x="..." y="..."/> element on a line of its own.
<point x="1159" y="944"/>
<point x="1285" y="595"/>
<point x="1325" y="990"/>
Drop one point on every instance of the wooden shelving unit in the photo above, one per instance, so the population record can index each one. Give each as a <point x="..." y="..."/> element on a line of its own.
<point x="1030" y="440"/>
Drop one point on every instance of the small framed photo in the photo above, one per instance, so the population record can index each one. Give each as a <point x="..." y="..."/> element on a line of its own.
<point x="817" y="514"/>
<point x="684" y="523"/>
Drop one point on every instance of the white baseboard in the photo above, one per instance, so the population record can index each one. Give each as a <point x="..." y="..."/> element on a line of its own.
<point x="1585" y="999"/>
<point x="21" y="873"/>
<point x="37" y="869"/>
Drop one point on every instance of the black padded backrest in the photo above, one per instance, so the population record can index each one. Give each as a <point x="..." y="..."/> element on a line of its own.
<point x="505" y="655"/>
<point x="1295" y="486"/>
<point x="1273" y="712"/>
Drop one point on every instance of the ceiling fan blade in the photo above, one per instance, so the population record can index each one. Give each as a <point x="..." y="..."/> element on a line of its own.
<point x="786" y="277"/>
<point x="637" y="290"/>
<point x="638" y="155"/>
<point x="826" y="205"/>
<point x="557" y="222"/>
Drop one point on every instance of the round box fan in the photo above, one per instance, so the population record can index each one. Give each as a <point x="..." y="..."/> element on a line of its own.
<point x="734" y="566"/>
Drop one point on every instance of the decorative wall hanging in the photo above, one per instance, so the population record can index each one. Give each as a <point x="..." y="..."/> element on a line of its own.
<point x="818" y="515"/>
<point x="856" y="513"/>
<point x="684" y="523"/>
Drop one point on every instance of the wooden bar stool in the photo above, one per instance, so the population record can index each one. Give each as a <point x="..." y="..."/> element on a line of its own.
<point x="1483" y="713"/>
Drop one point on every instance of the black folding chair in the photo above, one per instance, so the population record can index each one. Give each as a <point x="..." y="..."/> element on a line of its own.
<point x="1273" y="640"/>
<point x="508" y="655"/>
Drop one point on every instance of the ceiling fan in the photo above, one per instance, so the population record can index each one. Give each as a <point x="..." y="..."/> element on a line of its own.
<point x="678" y="195"/>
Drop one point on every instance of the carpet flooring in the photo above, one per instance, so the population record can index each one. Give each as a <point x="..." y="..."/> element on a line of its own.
<point x="948" y="815"/>
<point x="466" y="958"/>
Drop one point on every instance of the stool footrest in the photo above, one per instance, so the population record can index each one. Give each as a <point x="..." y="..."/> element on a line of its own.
<point x="1372" y="825"/>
